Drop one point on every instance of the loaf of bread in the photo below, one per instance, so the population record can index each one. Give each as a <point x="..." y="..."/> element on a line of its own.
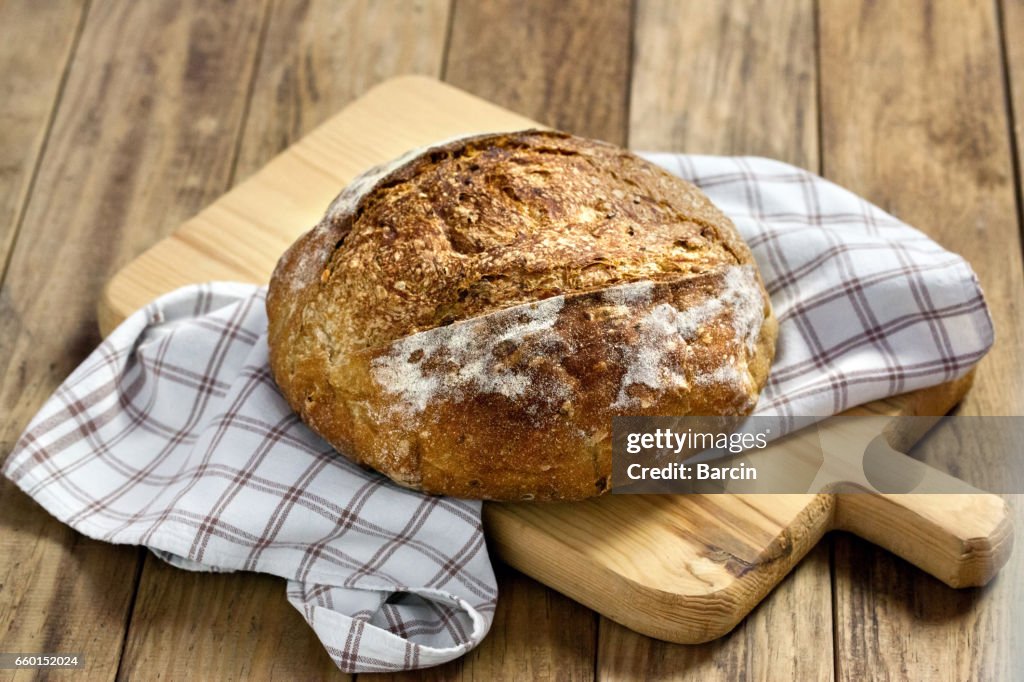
<point x="468" y="319"/>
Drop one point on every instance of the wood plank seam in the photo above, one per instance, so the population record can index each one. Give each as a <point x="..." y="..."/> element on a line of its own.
<point x="628" y="90"/>
<point x="29" y="190"/>
<point x="446" y="47"/>
<point x="143" y="556"/>
<point x="1012" y="115"/>
<point x="820" y="140"/>
<point x="833" y="599"/>
<point x="249" y="94"/>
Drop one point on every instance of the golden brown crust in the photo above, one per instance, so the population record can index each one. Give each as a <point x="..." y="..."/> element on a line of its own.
<point x="469" y="322"/>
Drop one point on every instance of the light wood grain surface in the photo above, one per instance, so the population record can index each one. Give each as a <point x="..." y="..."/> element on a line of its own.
<point x="145" y="112"/>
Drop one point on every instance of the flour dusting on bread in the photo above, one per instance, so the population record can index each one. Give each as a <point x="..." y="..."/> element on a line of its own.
<point x="448" y="363"/>
<point x="665" y="328"/>
<point x="491" y="354"/>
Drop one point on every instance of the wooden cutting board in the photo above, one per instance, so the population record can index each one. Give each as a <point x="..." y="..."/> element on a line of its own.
<point x="680" y="568"/>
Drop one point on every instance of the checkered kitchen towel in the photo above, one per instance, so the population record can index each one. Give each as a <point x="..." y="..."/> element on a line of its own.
<point x="172" y="434"/>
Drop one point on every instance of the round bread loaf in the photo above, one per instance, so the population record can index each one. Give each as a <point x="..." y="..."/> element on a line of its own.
<point x="468" y="319"/>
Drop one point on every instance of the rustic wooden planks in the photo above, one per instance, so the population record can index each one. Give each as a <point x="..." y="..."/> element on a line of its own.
<point x="38" y="41"/>
<point x="564" y="64"/>
<point x="142" y="138"/>
<point x="218" y="626"/>
<point x="726" y="78"/>
<point x="320" y="55"/>
<point x="935" y="618"/>
<point x="719" y="78"/>
<point x="914" y="118"/>
<point x="314" y="58"/>
<point x="1012" y="34"/>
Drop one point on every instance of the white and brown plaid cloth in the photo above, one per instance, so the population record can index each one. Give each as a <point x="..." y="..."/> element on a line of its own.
<point x="172" y="433"/>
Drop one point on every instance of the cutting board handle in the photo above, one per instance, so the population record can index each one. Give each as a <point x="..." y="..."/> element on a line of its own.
<point x="961" y="539"/>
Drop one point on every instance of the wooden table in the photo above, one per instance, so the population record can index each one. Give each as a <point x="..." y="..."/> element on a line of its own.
<point x="118" y="120"/>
